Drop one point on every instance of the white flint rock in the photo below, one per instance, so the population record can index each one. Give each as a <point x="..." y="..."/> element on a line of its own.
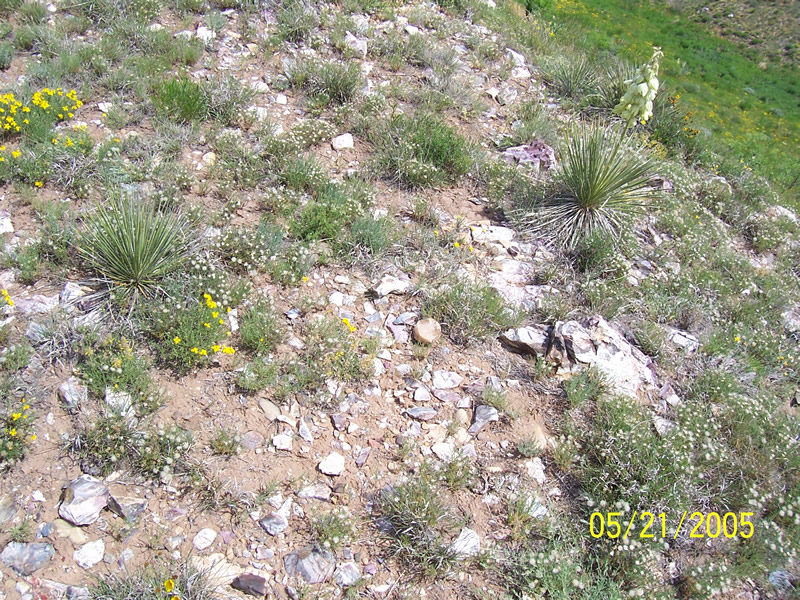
<point x="421" y="413"/>
<point x="73" y="393"/>
<point x="515" y="57"/>
<point x="483" y="416"/>
<point x="317" y="491"/>
<point x="536" y="470"/>
<point x="204" y="538"/>
<point x="520" y="73"/>
<point x="205" y="34"/>
<point x="304" y="431"/>
<point x="274" y="523"/>
<point x="89" y="554"/>
<point x="390" y="284"/>
<point x="421" y="395"/>
<point x="468" y="543"/>
<point x="282" y="442"/>
<point x="446" y="380"/>
<point x="443" y="450"/>
<point x="84" y="498"/>
<point x="5" y="222"/>
<point x="534" y="339"/>
<point x="359" y="45"/>
<point x="492" y="233"/>
<point x="347" y="574"/>
<point x="314" y="565"/>
<point x="333" y="464"/>
<point x="343" y="142"/>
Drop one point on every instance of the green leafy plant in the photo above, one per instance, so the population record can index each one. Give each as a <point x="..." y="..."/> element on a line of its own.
<point x="191" y="334"/>
<point x="132" y="246"/>
<point x="601" y="183"/>
<point x="225" y="443"/>
<point x="111" y="364"/>
<point x="261" y="327"/>
<point x="6" y="55"/>
<point x="334" y="529"/>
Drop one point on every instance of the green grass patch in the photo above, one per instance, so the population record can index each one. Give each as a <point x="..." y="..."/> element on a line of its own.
<point x="420" y="150"/>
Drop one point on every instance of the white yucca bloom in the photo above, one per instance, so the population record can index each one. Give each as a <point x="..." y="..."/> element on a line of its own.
<point x="637" y="103"/>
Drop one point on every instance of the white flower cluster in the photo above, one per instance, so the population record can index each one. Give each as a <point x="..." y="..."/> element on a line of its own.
<point x="637" y="103"/>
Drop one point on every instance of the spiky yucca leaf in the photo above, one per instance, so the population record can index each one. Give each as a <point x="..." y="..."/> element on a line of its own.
<point x="133" y="245"/>
<point x="601" y="182"/>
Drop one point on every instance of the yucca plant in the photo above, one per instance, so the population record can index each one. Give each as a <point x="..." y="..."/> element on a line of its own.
<point x="132" y="246"/>
<point x="602" y="181"/>
<point x="612" y="83"/>
<point x="571" y="77"/>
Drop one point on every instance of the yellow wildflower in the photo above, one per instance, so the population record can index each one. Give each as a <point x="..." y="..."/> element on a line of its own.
<point x="169" y="585"/>
<point x="176" y="340"/>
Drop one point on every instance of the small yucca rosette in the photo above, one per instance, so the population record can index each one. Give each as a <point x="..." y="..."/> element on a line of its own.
<point x="637" y="102"/>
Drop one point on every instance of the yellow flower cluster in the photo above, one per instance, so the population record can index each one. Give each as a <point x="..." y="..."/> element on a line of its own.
<point x="15" y="116"/>
<point x="6" y="298"/>
<point x="217" y="320"/>
<point x="169" y="587"/>
<point x="16" y="424"/>
<point x="350" y="326"/>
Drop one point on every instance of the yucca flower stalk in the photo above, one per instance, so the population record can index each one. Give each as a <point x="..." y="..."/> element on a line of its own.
<point x="636" y="104"/>
<point x="132" y="245"/>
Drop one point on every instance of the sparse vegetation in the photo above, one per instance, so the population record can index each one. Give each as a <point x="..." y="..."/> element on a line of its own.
<point x="211" y="305"/>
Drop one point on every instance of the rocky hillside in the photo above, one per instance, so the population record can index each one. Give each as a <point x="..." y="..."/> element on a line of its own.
<point x="375" y="300"/>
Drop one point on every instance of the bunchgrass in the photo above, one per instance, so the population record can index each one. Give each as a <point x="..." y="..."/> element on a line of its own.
<point x="296" y="20"/>
<point x="326" y="82"/>
<point x="469" y="311"/>
<point x="420" y="150"/>
<point x="182" y="100"/>
<point x="418" y="523"/>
